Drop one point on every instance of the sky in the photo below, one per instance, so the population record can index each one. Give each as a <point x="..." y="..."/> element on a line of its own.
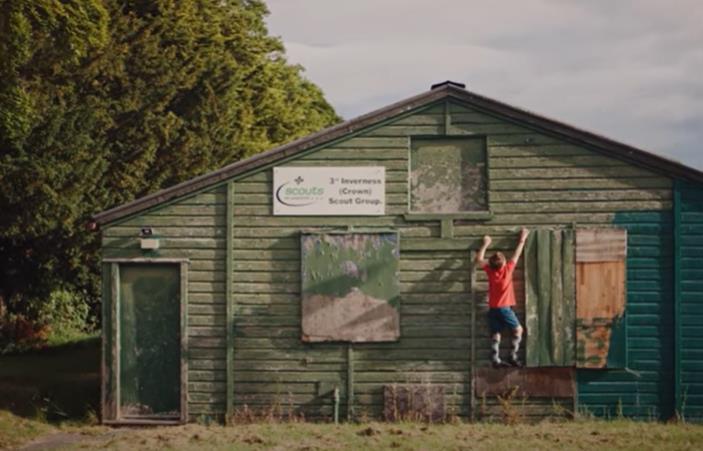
<point x="631" y="70"/>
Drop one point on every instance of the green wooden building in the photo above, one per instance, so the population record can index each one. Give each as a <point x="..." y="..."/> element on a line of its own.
<point x="333" y="274"/>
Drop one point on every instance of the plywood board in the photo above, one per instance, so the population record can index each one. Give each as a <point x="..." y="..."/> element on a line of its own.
<point x="448" y="175"/>
<point x="601" y="245"/>
<point x="413" y="402"/>
<point x="600" y="307"/>
<point x="531" y="382"/>
<point x="350" y="287"/>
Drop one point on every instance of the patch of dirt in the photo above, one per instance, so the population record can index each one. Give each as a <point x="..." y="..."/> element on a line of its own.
<point x="368" y="432"/>
<point x="58" y="440"/>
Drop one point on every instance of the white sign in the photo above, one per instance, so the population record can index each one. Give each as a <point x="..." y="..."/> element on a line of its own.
<point x="323" y="191"/>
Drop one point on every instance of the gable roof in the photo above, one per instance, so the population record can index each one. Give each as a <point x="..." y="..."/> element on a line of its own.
<point x="446" y="90"/>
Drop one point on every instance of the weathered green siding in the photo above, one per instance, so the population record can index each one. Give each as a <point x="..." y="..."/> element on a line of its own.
<point x="645" y="389"/>
<point x="691" y="298"/>
<point x="535" y="180"/>
<point x="192" y="228"/>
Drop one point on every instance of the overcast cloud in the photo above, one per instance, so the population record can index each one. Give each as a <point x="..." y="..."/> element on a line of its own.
<point x="630" y="70"/>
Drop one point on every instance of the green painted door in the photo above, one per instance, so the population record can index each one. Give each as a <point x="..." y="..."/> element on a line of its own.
<point x="150" y="352"/>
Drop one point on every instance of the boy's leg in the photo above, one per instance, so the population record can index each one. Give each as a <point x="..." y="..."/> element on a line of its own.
<point x="495" y="325"/>
<point x="514" y="324"/>
<point x="516" y="339"/>
<point x="495" y="349"/>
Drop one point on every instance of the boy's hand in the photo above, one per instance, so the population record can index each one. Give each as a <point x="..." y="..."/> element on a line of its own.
<point x="523" y="234"/>
<point x="486" y="240"/>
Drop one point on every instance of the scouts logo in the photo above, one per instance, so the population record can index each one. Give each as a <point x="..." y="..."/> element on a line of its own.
<point x="295" y="193"/>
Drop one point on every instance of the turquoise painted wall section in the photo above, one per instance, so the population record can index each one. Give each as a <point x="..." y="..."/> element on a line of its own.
<point x="645" y="389"/>
<point x="691" y="308"/>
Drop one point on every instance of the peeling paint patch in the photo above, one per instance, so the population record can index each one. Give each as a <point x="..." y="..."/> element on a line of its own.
<point x="350" y="287"/>
<point x="600" y="305"/>
<point x="448" y="175"/>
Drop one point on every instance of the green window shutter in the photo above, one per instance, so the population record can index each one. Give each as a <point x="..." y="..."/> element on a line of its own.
<point x="550" y="298"/>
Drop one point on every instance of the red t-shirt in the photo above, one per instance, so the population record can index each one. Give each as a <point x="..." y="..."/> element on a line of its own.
<point x="500" y="285"/>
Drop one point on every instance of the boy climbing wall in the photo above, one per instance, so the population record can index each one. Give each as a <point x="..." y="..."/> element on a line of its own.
<point x="501" y="298"/>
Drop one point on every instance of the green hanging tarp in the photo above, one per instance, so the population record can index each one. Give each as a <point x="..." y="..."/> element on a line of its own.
<point x="550" y="298"/>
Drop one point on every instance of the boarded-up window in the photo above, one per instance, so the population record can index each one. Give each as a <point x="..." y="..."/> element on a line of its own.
<point x="600" y="298"/>
<point x="575" y="298"/>
<point x="350" y="287"/>
<point x="448" y="175"/>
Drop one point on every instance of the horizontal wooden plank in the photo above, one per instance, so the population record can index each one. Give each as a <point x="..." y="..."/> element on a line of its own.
<point x="179" y="209"/>
<point x="184" y="253"/>
<point x="582" y="206"/>
<point x="473" y="117"/>
<point x="390" y="165"/>
<point x="430" y="265"/>
<point x="276" y="254"/>
<point x="374" y="142"/>
<point x="545" y="150"/>
<point x="402" y="130"/>
<point x="423" y="118"/>
<point x="176" y="221"/>
<point x="206" y="298"/>
<point x="345" y="153"/>
<point x="581" y="195"/>
<point x="579" y="183"/>
<point x="555" y="161"/>
<point x="166" y="232"/>
<point x="494" y="130"/>
<point x="166" y="243"/>
<point x="567" y="172"/>
<point x="521" y="139"/>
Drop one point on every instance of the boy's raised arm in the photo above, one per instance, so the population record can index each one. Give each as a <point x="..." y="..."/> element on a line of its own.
<point x="520" y="245"/>
<point x="480" y="256"/>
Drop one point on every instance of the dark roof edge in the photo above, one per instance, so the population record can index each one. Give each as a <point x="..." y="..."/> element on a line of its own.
<point x="609" y="147"/>
<point x="652" y="161"/>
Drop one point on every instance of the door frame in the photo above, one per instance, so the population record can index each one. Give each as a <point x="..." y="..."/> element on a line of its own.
<point x="110" y="368"/>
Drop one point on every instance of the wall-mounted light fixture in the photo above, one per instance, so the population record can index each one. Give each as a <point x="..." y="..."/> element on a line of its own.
<point x="147" y="240"/>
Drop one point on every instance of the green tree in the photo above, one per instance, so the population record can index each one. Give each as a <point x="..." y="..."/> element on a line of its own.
<point x="102" y="101"/>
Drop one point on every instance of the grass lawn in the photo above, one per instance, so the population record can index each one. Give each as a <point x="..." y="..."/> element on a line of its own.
<point x="587" y="435"/>
<point x="49" y="399"/>
<point x="15" y="430"/>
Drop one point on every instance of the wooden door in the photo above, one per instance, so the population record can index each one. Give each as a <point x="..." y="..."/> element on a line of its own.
<point x="149" y="341"/>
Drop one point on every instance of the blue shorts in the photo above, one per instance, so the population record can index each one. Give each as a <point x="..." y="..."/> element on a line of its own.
<point x="500" y="318"/>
